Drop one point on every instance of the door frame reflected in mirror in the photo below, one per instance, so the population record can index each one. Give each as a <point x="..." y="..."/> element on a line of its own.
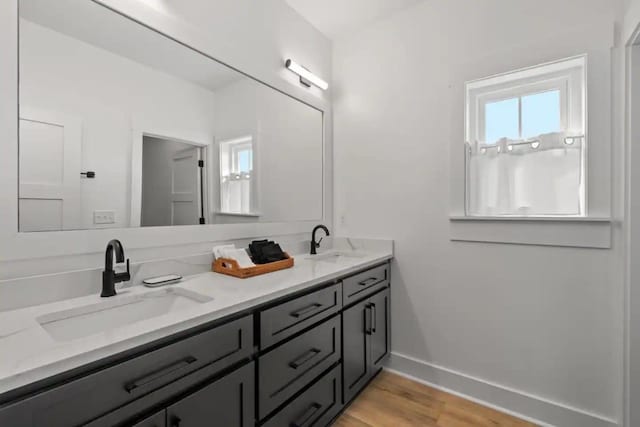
<point x="138" y="135"/>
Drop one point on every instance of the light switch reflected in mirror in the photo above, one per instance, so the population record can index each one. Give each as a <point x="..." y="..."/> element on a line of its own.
<point x="173" y="136"/>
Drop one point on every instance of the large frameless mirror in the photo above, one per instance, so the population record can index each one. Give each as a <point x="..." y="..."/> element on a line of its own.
<point x="121" y="126"/>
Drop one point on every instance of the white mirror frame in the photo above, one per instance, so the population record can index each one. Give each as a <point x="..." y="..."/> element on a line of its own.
<point x="21" y="246"/>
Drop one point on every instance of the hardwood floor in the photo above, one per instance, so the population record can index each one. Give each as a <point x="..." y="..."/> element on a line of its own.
<point x="395" y="401"/>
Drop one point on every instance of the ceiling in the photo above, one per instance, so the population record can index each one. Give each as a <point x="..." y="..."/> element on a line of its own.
<point x="338" y="18"/>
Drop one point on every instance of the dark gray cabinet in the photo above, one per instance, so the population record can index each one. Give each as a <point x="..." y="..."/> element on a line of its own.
<point x="286" y="319"/>
<point x="365" y="283"/>
<point x="355" y="348"/>
<point x="228" y="402"/>
<point x="314" y="407"/>
<point x="288" y="368"/>
<point x="308" y="358"/>
<point x="82" y="400"/>
<point x="366" y="333"/>
<point x="380" y="328"/>
<point x="156" y="420"/>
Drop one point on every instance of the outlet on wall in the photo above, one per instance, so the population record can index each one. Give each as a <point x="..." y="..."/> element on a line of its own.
<point x="104" y="217"/>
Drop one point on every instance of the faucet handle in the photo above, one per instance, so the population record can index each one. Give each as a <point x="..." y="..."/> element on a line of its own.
<point x="126" y="276"/>
<point x="318" y="243"/>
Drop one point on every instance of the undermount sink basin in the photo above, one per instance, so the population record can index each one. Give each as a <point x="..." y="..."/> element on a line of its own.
<point x="117" y="312"/>
<point x="334" y="256"/>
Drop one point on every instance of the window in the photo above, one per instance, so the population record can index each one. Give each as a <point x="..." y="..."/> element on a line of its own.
<point x="237" y="176"/>
<point x="523" y="117"/>
<point x="525" y="138"/>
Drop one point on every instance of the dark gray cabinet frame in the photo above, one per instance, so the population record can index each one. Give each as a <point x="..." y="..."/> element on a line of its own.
<point x="364" y="346"/>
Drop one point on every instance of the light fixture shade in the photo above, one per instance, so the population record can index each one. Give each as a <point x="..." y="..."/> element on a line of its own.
<point x="306" y="76"/>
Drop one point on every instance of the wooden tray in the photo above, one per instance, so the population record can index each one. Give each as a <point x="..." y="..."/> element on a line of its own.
<point x="230" y="267"/>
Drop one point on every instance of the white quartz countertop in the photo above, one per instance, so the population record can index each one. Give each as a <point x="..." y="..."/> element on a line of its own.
<point x="29" y="354"/>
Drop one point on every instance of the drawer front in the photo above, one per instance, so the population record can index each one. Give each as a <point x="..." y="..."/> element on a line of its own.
<point x="287" y="369"/>
<point x="364" y="284"/>
<point x="288" y="318"/>
<point x="228" y="402"/>
<point x="87" y="398"/>
<point x="315" y="407"/>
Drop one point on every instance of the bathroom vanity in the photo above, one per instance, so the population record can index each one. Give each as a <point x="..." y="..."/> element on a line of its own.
<point x="286" y="349"/>
<point x="170" y="150"/>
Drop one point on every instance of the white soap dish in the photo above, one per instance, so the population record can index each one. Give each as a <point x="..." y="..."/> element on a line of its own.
<point x="154" y="282"/>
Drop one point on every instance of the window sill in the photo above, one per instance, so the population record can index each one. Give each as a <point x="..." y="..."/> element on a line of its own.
<point x="531" y="218"/>
<point x="579" y="232"/>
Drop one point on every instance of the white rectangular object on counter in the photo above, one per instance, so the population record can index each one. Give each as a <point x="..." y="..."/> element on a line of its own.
<point x="152" y="282"/>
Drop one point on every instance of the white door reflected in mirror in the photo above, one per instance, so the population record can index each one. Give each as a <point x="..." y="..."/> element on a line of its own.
<point x="50" y="155"/>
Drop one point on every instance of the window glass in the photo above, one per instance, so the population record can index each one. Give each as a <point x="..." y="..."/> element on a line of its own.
<point x="501" y="120"/>
<point x="540" y="113"/>
<point x="244" y="161"/>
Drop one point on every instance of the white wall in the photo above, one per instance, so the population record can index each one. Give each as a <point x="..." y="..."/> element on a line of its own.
<point x="111" y="95"/>
<point x="253" y="37"/>
<point x="533" y="329"/>
<point x="288" y="149"/>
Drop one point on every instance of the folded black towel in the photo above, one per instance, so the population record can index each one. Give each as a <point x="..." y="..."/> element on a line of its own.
<point x="265" y="251"/>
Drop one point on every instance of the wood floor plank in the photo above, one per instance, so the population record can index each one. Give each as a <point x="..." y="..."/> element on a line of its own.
<point x="395" y="401"/>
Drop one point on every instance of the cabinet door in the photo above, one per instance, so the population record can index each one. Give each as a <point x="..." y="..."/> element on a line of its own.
<point x="156" y="420"/>
<point x="228" y="402"/>
<point x="380" y="329"/>
<point x="356" y="366"/>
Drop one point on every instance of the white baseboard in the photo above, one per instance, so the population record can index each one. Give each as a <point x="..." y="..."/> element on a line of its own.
<point x="522" y="405"/>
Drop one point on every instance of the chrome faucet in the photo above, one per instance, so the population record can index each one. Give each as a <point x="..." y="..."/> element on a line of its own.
<point x="109" y="276"/>
<point x="315" y="245"/>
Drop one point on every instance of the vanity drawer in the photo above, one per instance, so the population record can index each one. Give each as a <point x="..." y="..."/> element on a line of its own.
<point x="89" y="397"/>
<point x="287" y="369"/>
<point x="284" y="320"/>
<point x="365" y="283"/>
<point x="315" y="407"/>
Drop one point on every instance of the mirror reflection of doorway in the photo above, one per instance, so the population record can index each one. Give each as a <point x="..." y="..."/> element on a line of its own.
<point x="172" y="183"/>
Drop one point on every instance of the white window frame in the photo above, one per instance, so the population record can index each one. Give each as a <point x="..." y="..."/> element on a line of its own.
<point x="241" y="141"/>
<point x="567" y="75"/>
<point x="560" y="84"/>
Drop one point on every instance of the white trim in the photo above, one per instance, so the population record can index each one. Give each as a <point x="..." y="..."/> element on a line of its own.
<point x="631" y="386"/>
<point x="553" y="231"/>
<point x="531" y="218"/>
<point x="527" y="406"/>
<point x="597" y="45"/>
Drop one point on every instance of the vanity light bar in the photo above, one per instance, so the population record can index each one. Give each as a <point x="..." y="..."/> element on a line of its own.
<point x="307" y="78"/>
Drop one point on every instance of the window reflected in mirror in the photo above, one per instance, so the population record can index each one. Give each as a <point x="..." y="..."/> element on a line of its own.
<point x="237" y="177"/>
